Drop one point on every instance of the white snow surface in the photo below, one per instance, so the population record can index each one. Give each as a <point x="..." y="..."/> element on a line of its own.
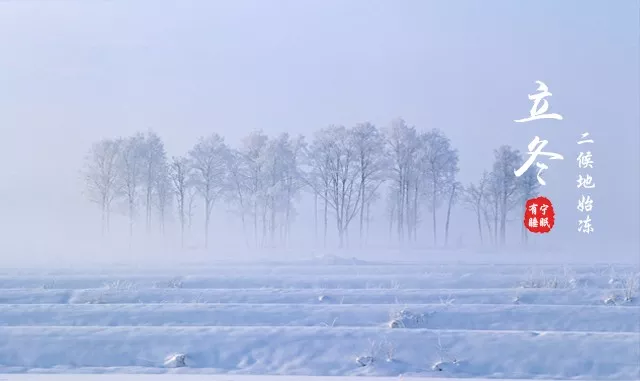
<point x="323" y="318"/>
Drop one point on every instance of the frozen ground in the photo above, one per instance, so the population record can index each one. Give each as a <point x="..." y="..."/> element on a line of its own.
<point x="326" y="318"/>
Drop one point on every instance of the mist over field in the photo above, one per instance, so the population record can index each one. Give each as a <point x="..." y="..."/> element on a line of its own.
<point x="74" y="74"/>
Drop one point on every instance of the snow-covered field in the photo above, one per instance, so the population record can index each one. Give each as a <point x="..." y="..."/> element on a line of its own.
<point x="318" y="319"/>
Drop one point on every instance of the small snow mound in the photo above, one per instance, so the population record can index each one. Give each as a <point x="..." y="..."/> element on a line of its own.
<point x="364" y="360"/>
<point x="406" y="319"/>
<point x="444" y="365"/>
<point x="324" y="298"/>
<point x="176" y="360"/>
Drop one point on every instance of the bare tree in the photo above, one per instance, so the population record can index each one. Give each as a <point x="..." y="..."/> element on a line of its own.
<point x="249" y="176"/>
<point x="392" y="204"/>
<point x="491" y="206"/>
<point x="454" y="189"/>
<point x="403" y="146"/>
<point x="506" y="159"/>
<point x="369" y="148"/>
<point x="440" y="166"/>
<point x="335" y="162"/>
<point x="101" y="176"/>
<point x="162" y="194"/>
<point x="192" y="199"/>
<point x="208" y="160"/>
<point x="373" y="196"/>
<point x="292" y="179"/>
<point x="239" y="187"/>
<point x="344" y="190"/>
<point x="275" y="164"/>
<point x="154" y="161"/>
<point x="317" y="172"/>
<point x="179" y="173"/>
<point x="473" y="197"/>
<point x="130" y="167"/>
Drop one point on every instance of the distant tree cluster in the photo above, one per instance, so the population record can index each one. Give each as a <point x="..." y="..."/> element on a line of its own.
<point x="345" y="170"/>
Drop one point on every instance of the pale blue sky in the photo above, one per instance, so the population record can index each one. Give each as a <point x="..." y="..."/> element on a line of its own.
<point x="72" y="72"/>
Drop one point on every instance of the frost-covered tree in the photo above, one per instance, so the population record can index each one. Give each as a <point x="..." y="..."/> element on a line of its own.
<point x="373" y="197"/>
<point x="505" y="185"/>
<point x="368" y="144"/>
<point x="247" y="168"/>
<point x="192" y="204"/>
<point x="440" y="164"/>
<point x="292" y="182"/>
<point x="208" y="159"/>
<point x="162" y="194"/>
<point x="101" y="176"/>
<point x="131" y="167"/>
<point x="274" y="165"/>
<point x="239" y="187"/>
<point x="491" y="207"/>
<point x="402" y="151"/>
<point x="317" y="173"/>
<point x="264" y="179"/>
<point x="474" y="197"/>
<point x="335" y="165"/>
<point x="454" y="189"/>
<point x="179" y="174"/>
<point x="153" y="168"/>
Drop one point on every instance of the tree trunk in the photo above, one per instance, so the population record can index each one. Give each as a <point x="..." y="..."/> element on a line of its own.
<point x="148" y="206"/>
<point x="287" y="221"/>
<point x="495" y="224"/>
<point x="503" y="221"/>
<point x="326" y="219"/>
<point x="190" y="223"/>
<point x="131" y="213"/>
<point x="273" y="222"/>
<point x="255" y="223"/>
<point x="479" y="226"/>
<point x="488" y="222"/>
<point x="264" y="223"/>
<point x="340" y="230"/>
<point x="182" y="232"/>
<point x="407" y="212"/>
<point x="362" y="180"/>
<point x="433" y="214"/>
<point x="415" y="213"/>
<point x="207" y="211"/>
<point x="446" y="226"/>
<point x="315" y="219"/>
<point x="400" y="212"/>
<point x="346" y="236"/>
<point x="368" y="219"/>
<point x="162" y="222"/>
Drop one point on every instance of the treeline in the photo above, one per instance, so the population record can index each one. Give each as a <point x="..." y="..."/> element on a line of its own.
<point x="345" y="170"/>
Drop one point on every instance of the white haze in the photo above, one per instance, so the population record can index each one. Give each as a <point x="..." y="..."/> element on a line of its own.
<point x="74" y="72"/>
